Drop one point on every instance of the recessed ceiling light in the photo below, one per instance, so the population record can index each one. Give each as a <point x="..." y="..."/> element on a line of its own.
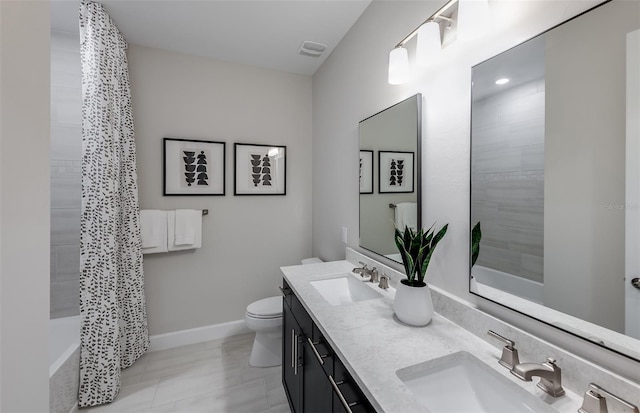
<point x="502" y="81"/>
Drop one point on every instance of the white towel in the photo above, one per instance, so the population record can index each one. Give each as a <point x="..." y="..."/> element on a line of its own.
<point x="406" y="215"/>
<point x="153" y="228"/>
<point x="179" y="231"/>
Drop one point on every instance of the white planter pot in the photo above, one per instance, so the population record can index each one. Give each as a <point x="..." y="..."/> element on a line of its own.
<point x="413" y="305"/>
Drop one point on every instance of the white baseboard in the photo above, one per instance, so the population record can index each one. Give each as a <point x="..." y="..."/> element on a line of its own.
<point x="197" y="335"/>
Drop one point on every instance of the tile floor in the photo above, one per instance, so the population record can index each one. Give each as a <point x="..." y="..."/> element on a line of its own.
<point x="214" y="376"/>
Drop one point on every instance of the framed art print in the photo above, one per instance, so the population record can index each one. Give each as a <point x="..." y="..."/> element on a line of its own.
<point x="193" y="167"/>
<point x="395" y="172"/>
<point x="366" y="172"/>
<point x="260" y="169"/>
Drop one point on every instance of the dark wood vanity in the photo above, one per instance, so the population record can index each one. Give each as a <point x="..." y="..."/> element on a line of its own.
<point x="314" y="378"/>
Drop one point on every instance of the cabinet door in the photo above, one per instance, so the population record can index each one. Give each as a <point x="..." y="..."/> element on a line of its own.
<point x="291" y="360"/>
<point x="316" y="386"/>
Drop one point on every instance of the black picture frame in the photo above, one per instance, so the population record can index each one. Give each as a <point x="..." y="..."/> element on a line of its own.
<point x="366" y="171"/>
<point x="192" y="167"/>
<point x="259" y="169"/>
<point x="395" y="172"/>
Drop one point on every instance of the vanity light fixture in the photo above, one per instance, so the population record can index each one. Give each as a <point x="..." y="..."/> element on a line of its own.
<point x="502" y="81"/>
<point x="429" y="44"/>
<point x="398" y="66"/>
<point x="470" y="17"/>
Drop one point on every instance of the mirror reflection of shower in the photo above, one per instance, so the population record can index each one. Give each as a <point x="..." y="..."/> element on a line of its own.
<point x="555" y="167"/>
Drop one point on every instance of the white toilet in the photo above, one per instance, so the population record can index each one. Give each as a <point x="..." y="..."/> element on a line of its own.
<point x="265" y="318"/>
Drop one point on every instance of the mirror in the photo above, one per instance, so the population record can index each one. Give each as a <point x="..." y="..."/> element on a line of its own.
<point x="390" y="175"/>
<point x="555" y="177"/>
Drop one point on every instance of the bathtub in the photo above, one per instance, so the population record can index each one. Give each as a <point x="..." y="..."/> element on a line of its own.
<point x="64" y="364"/>
<point x="521" y="287"/>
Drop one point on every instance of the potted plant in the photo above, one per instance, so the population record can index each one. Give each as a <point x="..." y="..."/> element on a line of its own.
<point x="412" y="303"/>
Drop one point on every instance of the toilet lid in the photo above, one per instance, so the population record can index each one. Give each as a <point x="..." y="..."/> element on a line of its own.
<point x="266" y="308"/>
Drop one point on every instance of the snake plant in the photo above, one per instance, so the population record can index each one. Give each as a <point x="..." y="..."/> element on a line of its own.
<point x="476" y="235"/>
<point x="416" y="249"/>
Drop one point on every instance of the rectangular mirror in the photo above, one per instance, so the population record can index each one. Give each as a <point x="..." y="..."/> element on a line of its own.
<point x="555" y="177"/>
<point x="390" y="175"/>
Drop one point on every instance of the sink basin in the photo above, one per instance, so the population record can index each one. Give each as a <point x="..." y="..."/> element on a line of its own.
<point x="344" y="290"/>
<point x="461" y="383"/>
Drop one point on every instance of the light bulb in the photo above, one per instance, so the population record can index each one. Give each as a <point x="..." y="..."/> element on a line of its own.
<point x="398" y="66"/>
<point x="429" y="44"/>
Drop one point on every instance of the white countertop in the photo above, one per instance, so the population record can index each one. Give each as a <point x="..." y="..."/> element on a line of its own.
<point x="373" y="345"/>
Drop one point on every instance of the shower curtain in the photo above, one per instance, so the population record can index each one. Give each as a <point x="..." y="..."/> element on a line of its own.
<point x="113" y="331"/>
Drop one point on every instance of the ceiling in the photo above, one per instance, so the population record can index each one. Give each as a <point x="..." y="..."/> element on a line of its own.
<point x="262" y="33"/>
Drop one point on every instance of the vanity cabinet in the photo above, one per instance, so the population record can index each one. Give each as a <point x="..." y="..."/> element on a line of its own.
<point x="314" y="378"/>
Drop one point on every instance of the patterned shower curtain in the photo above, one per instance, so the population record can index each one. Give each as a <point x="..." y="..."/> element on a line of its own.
<point x="113" y="331"/>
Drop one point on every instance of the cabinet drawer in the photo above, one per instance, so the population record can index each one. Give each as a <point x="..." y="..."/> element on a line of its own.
<point x="323" y="349"/>
<point x="301" y="315"/>
<point x="348" y="392"/>
<point x="287" y="293"/>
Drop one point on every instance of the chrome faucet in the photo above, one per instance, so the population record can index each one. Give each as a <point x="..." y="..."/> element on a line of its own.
<point x="365" y="270"/>
<point x="550" y="375"/>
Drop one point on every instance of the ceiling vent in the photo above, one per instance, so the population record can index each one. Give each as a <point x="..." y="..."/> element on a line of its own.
<point x="313" y="49"/>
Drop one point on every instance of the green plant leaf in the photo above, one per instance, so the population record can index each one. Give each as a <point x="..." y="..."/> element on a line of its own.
<point x="476" y="236"/>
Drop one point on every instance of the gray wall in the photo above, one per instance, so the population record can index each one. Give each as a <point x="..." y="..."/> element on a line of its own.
<point x="508" y="179"/>
<point x="66" y="172"/>
<point x="245" y="238"/>
<point x="352" y="84"/>
<point x="24" y="206"/>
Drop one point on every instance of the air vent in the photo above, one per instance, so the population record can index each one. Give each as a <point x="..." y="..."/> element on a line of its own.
<point x="313" y="49"/>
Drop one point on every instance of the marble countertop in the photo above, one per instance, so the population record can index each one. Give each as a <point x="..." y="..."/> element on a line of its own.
<point x="373" y="344"/>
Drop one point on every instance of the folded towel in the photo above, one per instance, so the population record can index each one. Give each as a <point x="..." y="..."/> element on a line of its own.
<point x="406" y="215"/>
<point x="178" y="230"/>
<point x="153" y="228"/>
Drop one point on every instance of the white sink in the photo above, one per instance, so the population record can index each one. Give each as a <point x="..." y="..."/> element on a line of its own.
<point x="461" y="383"/>
<point x="345" y="289"/>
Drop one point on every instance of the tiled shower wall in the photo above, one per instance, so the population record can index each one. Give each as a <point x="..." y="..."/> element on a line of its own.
<point x="508" y="179"/>
<point x="66" y="176"/>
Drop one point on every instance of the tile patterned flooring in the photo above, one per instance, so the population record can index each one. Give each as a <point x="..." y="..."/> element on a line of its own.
<point x="213" y="376"/>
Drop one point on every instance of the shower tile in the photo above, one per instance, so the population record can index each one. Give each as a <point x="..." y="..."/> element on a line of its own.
<point x="64" y="301"/>
<point x="68" y="263"/>
<point x="66" y="190"/>
<point x="68" y="102"/>
<point x="66" y="142"/>
<point x="65" y="226"/>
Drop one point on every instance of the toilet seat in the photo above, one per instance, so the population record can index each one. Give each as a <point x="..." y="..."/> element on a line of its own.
<point x="267" y="308"/>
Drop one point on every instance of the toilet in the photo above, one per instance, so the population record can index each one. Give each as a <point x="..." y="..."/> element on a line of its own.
<point x="265" y="318"/>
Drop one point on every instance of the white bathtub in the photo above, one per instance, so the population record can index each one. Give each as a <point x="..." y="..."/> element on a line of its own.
<point x="64" y="363"/>
<point x="519" y="286"/>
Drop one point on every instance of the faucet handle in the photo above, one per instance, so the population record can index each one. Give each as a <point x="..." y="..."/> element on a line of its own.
<point x="509" y="353"/>
<point x="364" y="265"/>
<point x="595" y="400"/>
<point x="384" y="281"/>
<point x="374" y="275"/>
